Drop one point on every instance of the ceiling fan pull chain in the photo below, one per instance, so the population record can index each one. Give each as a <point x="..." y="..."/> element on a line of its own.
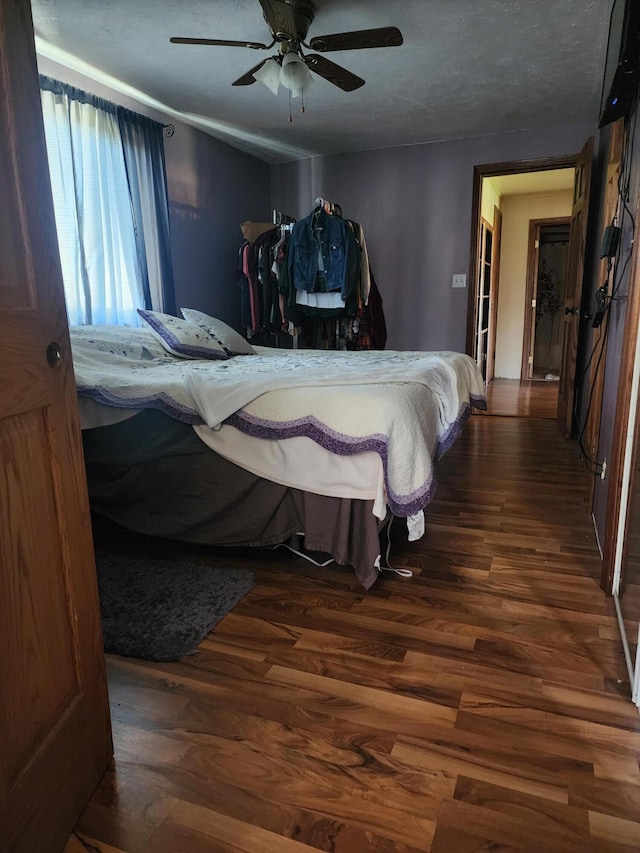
<point x="290" y="118"/>
<point x="302" y="100"/>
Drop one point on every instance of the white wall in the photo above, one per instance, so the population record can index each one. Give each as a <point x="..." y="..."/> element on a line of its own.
<point x="516" y="213"/>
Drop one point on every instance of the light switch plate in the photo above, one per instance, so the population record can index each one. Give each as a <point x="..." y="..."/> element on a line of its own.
<point x="459" y="280"/>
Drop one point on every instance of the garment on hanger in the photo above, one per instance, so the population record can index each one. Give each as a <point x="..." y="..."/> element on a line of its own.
<point x="252" y="230"/>
<point x="323" y="254"/>
<point x="258" y="278"/>
<point x="372" y="328"/>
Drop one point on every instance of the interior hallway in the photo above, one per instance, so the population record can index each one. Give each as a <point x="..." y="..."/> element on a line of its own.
<point x="483" y="704"/>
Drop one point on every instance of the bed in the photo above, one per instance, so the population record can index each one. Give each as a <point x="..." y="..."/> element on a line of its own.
<point x="253" y="448"/>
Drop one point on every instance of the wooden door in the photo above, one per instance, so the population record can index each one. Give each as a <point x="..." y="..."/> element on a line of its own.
<point x="493" y="299"/>
<point x="606" y="273"/>
<point x="625" y="446"/>
<point x="483" y="308"/>
<point x="538" y="234"/>
<point x="55" y="739"/>
<point x="573" y="287"/>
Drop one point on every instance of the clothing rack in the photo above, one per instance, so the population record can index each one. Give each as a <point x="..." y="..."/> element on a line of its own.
<point x="280" y="305"/>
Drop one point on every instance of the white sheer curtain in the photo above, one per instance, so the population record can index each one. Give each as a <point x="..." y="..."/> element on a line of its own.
<point x="94" y="219"/>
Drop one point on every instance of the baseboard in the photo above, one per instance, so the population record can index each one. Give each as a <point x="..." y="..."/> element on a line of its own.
<point x="595" y="530"/>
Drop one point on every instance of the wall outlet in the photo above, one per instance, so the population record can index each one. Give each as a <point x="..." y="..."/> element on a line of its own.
<point x="459" y="280"/>
<point x="603" y="470"/>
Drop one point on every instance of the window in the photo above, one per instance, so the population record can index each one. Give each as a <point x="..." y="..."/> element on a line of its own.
<point x="112" y="224"/>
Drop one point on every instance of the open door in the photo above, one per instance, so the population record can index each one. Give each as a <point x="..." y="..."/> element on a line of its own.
<point x="55" y="738"/>
<point x="573" y="287"/>
<point x="544" y="296"/>
<point x="495" y="278"/>
<point x="483" y="307"/>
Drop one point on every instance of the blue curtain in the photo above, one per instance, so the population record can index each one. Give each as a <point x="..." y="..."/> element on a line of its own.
<point x="109" y="188"/>
<point x="143" y="147"/>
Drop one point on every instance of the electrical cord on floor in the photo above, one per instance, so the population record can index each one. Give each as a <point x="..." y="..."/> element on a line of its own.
<point x="303" y="555"/>
<point x="403" y="573"/>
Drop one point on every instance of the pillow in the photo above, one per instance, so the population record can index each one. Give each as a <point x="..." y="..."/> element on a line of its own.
<point x="182" y="338"/>
<point x="129" y="341"/>
<point x="232" y="342"/>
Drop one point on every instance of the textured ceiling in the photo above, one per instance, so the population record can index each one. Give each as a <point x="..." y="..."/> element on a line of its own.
<point x="466" y="68"/>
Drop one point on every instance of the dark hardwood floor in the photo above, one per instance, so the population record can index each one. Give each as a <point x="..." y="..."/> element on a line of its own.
<point x="482" y="705"/>
<point x="522" y="398"/>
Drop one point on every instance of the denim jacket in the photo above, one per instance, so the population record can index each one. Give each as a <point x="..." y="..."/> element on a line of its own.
<point x="322" y="235"/>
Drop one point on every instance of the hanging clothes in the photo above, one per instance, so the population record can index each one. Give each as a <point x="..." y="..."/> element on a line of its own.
<point x="312" y="280"/>
<point x="323" y="254"/>
<point x="252" y="230"/>
<point x="371" y="326"/>
<point x="243" y="285"/>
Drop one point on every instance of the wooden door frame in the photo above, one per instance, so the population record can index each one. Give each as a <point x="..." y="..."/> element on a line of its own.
<point x="531" y="287"/>
<point x="489" y="170"/>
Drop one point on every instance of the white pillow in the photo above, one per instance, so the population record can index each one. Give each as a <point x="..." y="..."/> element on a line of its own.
<point x="181" y="338"/>
<point x="232" y="341"/>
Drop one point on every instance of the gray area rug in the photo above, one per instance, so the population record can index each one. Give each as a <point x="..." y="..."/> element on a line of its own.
<point x="161" y="609"/>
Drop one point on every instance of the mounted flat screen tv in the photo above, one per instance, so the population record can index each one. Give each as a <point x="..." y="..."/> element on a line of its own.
<point x="622" y="66"/>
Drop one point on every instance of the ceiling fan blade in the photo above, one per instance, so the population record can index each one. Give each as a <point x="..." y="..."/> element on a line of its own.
<point x="256" y="45"/>
<point x="335" y="74"/>
<point x="381" y="37"/>
<point x="248" y="78"/>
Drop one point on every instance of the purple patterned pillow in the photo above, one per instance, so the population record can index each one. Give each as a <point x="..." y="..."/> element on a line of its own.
<point x="181" y="338"/>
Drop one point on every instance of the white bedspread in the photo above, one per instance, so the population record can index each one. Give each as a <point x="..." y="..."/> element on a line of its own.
<point x="406" y="406"/>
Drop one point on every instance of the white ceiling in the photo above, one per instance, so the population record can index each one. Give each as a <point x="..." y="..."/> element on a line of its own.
<point x="466" y="67"/>
<point x="548" y="181"/>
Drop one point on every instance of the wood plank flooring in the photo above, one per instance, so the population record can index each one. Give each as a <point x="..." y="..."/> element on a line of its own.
<point x="526" y="399"/>
<point x="482" y="705"/>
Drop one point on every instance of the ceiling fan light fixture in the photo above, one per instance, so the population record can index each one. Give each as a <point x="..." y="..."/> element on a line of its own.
<point x="294" y="74"/>
<point x="269" y="75"/>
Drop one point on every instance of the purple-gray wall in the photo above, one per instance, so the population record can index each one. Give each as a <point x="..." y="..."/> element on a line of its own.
<point x="212" y="189"/>
<point x="415" y="205"/>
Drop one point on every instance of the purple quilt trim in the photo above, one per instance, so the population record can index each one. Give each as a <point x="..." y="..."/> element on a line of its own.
<point x="479" y="402"/>
<point x="159" y="401"/>
<point x="345" y="445"/>
<point x="184" y="349"/>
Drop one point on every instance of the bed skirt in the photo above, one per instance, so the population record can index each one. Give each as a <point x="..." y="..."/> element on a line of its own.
<point x="153" y="475"/>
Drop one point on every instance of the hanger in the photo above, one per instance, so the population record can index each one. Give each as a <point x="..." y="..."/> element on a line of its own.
<point x="330" y="207"/>
<point x="280" y="218"/>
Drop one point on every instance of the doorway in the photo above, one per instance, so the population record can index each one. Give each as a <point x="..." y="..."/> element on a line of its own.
<point x="524" y="196"/>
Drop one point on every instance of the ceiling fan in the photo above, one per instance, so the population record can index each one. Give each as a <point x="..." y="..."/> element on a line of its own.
<point x="289" y="22"/>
